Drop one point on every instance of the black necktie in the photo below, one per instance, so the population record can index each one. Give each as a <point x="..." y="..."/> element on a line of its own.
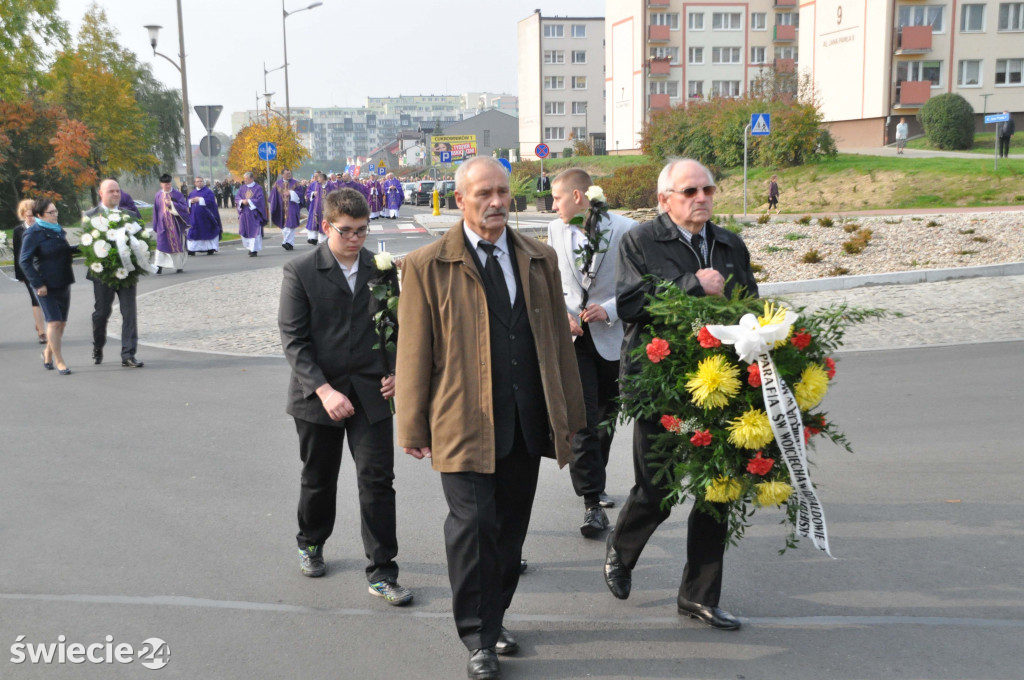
<point x="698" y="245"/>
<point x="494" y="277"/>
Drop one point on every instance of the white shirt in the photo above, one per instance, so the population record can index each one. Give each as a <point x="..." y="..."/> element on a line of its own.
<point x="500" y="253"/>
<point x="350" y="273"/>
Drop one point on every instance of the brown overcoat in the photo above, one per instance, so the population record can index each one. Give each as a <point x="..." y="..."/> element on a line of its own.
<point x="443" y="376"/>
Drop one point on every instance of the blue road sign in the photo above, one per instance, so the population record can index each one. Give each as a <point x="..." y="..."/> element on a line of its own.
<point x="761" y="124"/>
<point x="382" y="171"/>
<point x="506" y="164"/>
<point x="996" y="118"/>
<point x="446" y="156"/>
<point x="542" y="151"/>
<point x="268" y="151"/>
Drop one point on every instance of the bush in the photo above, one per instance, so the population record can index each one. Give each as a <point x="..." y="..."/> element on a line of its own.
<point x="805" y="220"/>
<point x="811" y="256"/>
<point x="948" y="121"/>
<point x="825" y="222"/>
<point x="633" y="186"/>
<point x="764" y="219"/>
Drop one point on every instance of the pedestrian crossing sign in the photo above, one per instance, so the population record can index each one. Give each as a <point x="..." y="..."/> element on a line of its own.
<point x="761" y="124"/>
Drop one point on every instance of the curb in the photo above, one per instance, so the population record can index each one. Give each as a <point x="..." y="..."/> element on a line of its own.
<point x="894" y="278"/>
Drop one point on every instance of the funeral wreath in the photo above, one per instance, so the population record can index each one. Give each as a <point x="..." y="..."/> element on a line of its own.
<point x="116" y="248"/>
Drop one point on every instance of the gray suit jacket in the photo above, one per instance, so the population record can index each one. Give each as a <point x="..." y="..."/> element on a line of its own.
<point x="328" y="335"/>
<point x="607" y="336"/>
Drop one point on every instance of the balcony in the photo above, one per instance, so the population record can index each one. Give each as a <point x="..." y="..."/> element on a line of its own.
<point x="784" y="4"/>
<point x="913" y="40"/>
<point x="913" y="93"/>
<point x="785" y="65"/>
<point x="658" y="3"/>
<point x="785" y="33"/>
<point x="658" y="33"/>
<point x="659" y="66"/>
<point x="659" y="102"/>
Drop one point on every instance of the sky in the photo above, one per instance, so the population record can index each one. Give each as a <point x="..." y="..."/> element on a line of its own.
<point x="338" y="53"/>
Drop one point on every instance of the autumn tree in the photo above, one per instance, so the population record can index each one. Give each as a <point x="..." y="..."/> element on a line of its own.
<point x="244" y="153"/>
<point x="29" y="31"/>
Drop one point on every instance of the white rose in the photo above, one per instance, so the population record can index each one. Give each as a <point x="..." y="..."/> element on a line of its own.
<point x="147" y="233"/>
<point x="95" y="233"/>
<point x="115" y="218"/>
<point x="101" y="248"/>
<point x="100" y="222"/>
<point x="96" y="267"/>
<point x="382" y="261"/>
<point x="86" y="240"/>
<point x="596" y="194"/>
<point x="121" y="273"/>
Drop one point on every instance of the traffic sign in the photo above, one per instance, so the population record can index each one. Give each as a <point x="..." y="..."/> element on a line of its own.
<point x="996" y="118"/>
<point x="208" y="115"/>
<point x="381" y="164"/>
<point x="542" y="151"/>
<point x="209" y="146"/>
<point x="760" y="124"/>
<point x="446" y="156"/>
<point x="506" y="164"/>
<point x="381" y="170"/>
<point x="268" y="151"/>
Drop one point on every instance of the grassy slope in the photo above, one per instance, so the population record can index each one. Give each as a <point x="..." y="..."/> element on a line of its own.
<point x="984" y="143"/>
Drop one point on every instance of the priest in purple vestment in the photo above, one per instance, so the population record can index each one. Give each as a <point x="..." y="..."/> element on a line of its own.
<point x="285" y="206"/>
<point x="375" y="198"/>
<point x="127" y="203"/>
<point x="348" y="182"/>
<point x="252" y="214"/>
<point x="394" y="196"/>
<point x="204" y="216"/>
<point x="315" y="206"/>
<point x="170" y="212"/>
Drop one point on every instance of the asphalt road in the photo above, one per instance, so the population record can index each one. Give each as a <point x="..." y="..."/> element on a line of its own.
<point x="160" y="503"/>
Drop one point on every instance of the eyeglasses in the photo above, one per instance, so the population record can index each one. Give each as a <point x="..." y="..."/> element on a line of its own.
<point x="51" y="212"/>
<point x="350" y="233"/>
<point x="690" y="192"/>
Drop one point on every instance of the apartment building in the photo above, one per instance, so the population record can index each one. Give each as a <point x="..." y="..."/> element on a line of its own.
<point x="561" y="82"/>
<point x="663" y="53"/>
<point x="873" y="61"/>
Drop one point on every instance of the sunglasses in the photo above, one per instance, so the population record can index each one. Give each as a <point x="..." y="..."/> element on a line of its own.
<point x="690" y="192"/>
<point x="350" y="233"/>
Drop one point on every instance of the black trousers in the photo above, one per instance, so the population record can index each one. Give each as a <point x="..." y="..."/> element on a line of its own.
<point x="372" y="449"/>
<point x="104" y="304"/>
<point x="1004" y="147"/>
<point x="642" y="513"/>
<point x="591" y="445"/>
<point x="488" y="515"/>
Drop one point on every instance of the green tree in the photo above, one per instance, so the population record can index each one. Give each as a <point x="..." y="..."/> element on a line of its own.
<point x="31" y="31"/>
<point x="948" y="121"/>
<point x="243" y="156"/>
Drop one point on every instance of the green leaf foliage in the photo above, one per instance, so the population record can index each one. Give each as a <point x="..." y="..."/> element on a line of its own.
<point x="948" y="121"/>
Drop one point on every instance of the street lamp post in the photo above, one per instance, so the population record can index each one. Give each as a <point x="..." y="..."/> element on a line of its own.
<point x="266" y="73"/>
<point x="153" y="34"/>
<point x="284" y="32"/>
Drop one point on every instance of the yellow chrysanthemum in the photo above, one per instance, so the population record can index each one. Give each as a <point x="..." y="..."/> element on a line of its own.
<point x="774" y="314"/>
<point x="752" y="430"/>
<point x="772" y="493"/>
<point x="723" y="490"/>
<point x="812" y="387"/>
<point x="713" y="382"/>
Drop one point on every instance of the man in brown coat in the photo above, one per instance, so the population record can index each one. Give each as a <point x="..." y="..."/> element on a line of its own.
<point x="487" y="383"/>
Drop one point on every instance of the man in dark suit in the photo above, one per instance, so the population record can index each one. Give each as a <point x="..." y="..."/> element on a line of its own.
<point x="1005" y="130"/>
<point x="684" y="247"/>
<point x="488" y="383"/>
<point x="110" y="200"/>
<point x="543" y="183"/>
<point x="341" y="385"/>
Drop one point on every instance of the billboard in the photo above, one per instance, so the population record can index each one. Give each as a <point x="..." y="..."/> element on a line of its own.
<point x="462" y="147"/>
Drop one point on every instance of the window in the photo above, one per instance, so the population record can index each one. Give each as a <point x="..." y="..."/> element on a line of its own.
<point x="920" y="70"/>
<point x="579" y="108"/>
<point x="554" y="82"/>
<point x="669" y="19"/>
<point x="579" y="31"/>
<point x="579" y="56"/>
<point x="670" y="53"/>
<point x="554" y="133"/>
<point x="1008" y="71"/>
<point x="972" y="18"/>
<point x="695" y="21"/>
<point x="554" y="57"/>
<point x="487" y="137"/>
<point x="726" y="21"/>
<point x="695" y="89"/>
<point x="725" y="55"/>
<point x="554" y="31"/>
<point x="554" y="108"/>
<point x="757" y="55"/>
<point x="969" y="73"/>
<point x="922" y="15"/>
<point x="579" y="133"/>
<point x="725" y="88"/>
<point x="579" y="82"/>
<point x="787" y="19"/>
<point x="786" y="52"/>
<point x="758" y="21"/>
<point x="669" y="87"/>
<point x="1011" y="16"/>
<point x="695" y="55"/>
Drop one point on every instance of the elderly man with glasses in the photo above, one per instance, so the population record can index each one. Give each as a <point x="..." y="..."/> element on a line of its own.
<point x="684" y="248"/>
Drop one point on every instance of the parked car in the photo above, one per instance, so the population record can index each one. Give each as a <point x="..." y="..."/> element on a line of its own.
<point x="446" y="187"/>
<point x="421" y="193"/>
<point x="407" y="189"/>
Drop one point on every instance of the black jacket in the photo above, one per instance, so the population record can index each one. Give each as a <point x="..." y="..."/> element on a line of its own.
<point x="46" y="258"/>
<point x="657" y="248"/>
<point x="1007" y="129"/>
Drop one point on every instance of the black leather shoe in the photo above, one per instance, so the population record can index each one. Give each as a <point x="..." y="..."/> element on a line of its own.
<point x="287" y="246"/>
<point x="506" y="643"/>
<point x="132" y="362"/>
<point x="97" y="355"/>
<point x="606" y="500"/>
<point x="710" y="616"/>
<point x="483" y="665"/>
<point x="594" y="522"/>
<point x="617" y="576"/>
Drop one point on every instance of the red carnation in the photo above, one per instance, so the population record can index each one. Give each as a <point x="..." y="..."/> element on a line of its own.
<point x="657" y="350"/>
<point x="830" y="365"/>
<point x="701" y="438"/>
<point x="758" y="465"/>
<point x="754" y="379"/>
<point x="671" y="423"/>
<point x="706" y="340"/>
<point x="801" y="340"/>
